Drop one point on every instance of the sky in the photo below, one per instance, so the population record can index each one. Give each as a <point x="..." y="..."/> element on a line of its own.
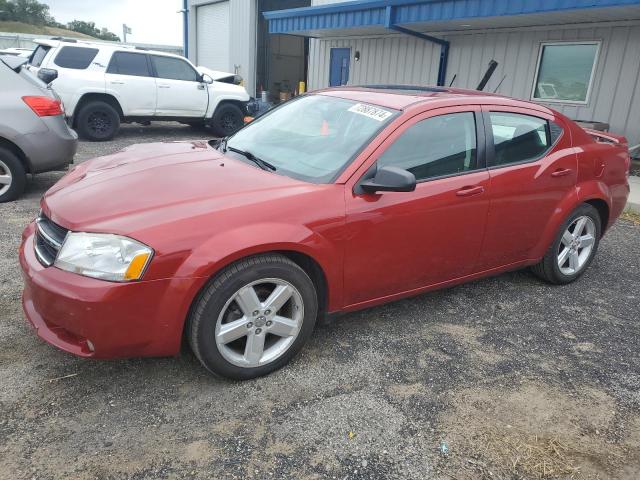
<point x="151" y="21"/>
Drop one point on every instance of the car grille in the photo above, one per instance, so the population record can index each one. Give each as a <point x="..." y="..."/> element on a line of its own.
<point x="49" y="240"/>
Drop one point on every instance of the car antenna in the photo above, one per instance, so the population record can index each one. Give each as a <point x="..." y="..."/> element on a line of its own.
<point x="496" y="89"/>
<point x="453" y="80"/>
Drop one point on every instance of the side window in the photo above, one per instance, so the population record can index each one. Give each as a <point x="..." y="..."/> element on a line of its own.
<point x="436" y="146"/>
<point x="77" y="58"/>
<point x="125" y="63"/>
<point x="38" y="55"/>
<point x="173" y="69"/>
<point x="518" y="138"/>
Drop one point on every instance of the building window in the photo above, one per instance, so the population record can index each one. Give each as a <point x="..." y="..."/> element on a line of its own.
<point x="565" y="72"/>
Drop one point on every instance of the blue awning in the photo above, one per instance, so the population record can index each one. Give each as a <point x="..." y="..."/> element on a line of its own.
<point x="374" y="16"/>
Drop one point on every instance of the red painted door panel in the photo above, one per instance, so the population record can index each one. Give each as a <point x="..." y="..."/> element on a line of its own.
<point x="524" y="197"/>
<point x="401" y="241"/>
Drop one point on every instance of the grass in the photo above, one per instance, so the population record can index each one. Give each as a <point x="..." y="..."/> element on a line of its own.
<point x="20" y="27"/>
<point x="531" y="456"/>
<point x="632" y="217"/>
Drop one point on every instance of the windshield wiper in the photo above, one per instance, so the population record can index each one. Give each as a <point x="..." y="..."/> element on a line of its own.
<point x="263" y="164"/>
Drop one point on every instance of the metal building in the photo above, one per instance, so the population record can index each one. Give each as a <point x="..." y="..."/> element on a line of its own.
<point x="581" y="57"/>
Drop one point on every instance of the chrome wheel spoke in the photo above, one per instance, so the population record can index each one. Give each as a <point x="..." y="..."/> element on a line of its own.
<point x="254" y="349"/>
<point x="580" y="224"/>
<point x="283" y="327"/>
<point x="248" y="301"/>
<point x="228" y="332"/>
<point x="562" y="258"/>
<point x="587" y="241"/>
<point x="5" y="179"/>
<point x="567" y="238"/>
<point x="574" y="261"/>
<point x="280" y="295"/>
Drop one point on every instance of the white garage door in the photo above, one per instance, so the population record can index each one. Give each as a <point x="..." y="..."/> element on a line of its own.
<point x="212" y="36"/>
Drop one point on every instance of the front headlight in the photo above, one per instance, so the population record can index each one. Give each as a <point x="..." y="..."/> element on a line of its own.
<point x="104" y="256"/>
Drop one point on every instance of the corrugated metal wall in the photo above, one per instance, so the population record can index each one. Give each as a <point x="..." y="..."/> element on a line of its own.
<point x="242" y="41"/>
<point x="615" y="97"/>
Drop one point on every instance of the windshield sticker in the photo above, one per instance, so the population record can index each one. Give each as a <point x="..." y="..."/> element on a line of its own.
<point x="370" y="111"/>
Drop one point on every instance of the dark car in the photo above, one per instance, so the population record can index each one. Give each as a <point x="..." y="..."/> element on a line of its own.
<point x="34" y="136"/>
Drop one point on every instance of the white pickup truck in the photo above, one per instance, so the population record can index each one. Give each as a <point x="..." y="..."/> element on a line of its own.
<point x="102" y="85"/>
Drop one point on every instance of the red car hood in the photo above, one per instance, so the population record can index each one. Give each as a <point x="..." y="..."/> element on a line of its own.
<point x="150" y="184"/>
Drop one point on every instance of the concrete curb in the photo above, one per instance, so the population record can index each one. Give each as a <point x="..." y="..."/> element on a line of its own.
<point x="633" y="203"/>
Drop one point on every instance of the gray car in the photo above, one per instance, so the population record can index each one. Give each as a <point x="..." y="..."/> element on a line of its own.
<point x="34" y="136"/>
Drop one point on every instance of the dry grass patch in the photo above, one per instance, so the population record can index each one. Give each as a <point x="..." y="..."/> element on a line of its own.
<point x="631" y="216"/>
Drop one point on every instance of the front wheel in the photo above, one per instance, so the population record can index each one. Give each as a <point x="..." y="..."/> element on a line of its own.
<point x="253" y="317"/>
<point x="574" y="247"/>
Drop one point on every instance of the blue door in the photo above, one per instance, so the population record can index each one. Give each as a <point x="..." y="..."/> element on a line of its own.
<point x="339" y="66"/>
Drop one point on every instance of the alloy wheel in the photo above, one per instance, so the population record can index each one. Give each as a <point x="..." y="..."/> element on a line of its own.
<point x="259" y="323"/>
<point x="99" y="122"/>
<point x="5" y="178"/>
<point x="576" y="245"/>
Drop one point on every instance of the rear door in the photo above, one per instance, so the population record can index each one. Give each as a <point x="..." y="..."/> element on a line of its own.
<point x="130" y="80"/>
<point x="180" y="93"/>
<point x="533" y="167"/>
<point x="402" y="241"/>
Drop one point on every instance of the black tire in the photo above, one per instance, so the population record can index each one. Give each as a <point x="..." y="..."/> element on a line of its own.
<point x="227" y="120"/>
<point x="548" y="268"/>
<point x="201" y="325"/>
<point x="98" y="121"/>
<point x="11" y="166"/>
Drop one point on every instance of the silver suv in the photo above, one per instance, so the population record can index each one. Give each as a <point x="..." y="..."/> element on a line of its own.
<point x="34" y="136"/>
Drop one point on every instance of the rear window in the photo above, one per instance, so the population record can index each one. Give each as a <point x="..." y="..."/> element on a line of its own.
<point x="125" y="63"/>
<point x="77" y="58"/>
<point x="38" y="55"/>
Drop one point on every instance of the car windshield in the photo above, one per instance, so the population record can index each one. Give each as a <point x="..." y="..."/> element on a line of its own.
<point x="314" y="137"/>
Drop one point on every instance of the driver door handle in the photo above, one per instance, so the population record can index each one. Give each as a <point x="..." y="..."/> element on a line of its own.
<point x="561" y="172"/>
<point x="470" y="190"/>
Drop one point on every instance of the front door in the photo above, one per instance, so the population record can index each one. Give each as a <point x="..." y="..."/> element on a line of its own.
<point x="339" y="66"/>
<point x="180" y="93"/>
<point x="398" y="241"/>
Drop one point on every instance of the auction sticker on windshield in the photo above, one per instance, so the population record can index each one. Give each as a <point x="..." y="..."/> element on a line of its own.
<point x="370" y="111"/>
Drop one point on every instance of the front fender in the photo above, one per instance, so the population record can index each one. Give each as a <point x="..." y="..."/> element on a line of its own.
<point x="229" y="246"/>
<point x="220" y="92"/>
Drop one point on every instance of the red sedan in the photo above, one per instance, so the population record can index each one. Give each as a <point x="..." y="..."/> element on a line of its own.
<point x="335" y="201"/>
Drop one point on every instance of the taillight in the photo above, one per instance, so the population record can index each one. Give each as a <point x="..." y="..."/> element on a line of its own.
<point x="44" y="106"/>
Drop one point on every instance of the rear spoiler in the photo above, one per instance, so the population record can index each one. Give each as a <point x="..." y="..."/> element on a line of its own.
<point x="607" y="137"/>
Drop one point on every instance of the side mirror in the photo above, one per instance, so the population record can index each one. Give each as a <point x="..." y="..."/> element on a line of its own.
<point x="47" y="75"/>
<point x="204" y="78"/>
<point x="390" y="179"/>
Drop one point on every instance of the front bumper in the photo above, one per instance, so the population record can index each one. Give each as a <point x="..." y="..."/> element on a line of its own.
<point x="94" y="318"/>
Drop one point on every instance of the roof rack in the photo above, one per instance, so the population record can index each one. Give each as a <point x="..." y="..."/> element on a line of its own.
<point x="62" y="39"/>
<point x="407" y="88"/>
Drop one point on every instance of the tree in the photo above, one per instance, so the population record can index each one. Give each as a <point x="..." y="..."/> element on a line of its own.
<point x="36" y="13"/>
<point x="89" y="28"/>
<point x="27" y="11"/>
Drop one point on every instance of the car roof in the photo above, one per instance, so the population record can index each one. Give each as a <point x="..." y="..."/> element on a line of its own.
<point x="401" y="97"/>
<point x="56" y="42"/>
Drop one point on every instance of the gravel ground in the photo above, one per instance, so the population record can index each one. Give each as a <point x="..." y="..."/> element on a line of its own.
<point x="510" y="377"/>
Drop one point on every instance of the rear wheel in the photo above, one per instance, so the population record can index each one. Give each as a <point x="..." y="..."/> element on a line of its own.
<point x="227" y="120"/>
<point x="253" y="317"/>
<point x="574" y="247"/>
<point x="98" y="121"/>
<point x="13" y="177"/>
